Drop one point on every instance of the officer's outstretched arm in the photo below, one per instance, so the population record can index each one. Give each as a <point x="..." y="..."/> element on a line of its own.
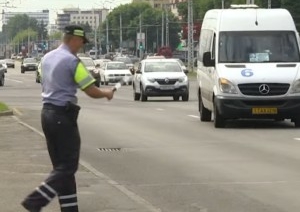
<point x="86" y="81"/>
<point x="95" y="92"/>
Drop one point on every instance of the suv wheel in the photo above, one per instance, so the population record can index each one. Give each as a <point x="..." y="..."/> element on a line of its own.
<point x="185" y="97"/>
<point x="144" y="97"/>
<point x="176" y="98"/>
<point x="297" y="122"/>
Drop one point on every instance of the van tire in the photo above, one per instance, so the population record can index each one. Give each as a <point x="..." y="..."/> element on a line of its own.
<point x="297" y="123"/>
<point x="205" y="114"/>
<point x="144" y="98"/>
<point x="219" y="121"/>
<point x="2" y="81"/>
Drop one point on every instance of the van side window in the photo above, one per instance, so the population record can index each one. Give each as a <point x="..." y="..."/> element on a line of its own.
<point x="205" y="42"/>
<point x="213" y="51"/>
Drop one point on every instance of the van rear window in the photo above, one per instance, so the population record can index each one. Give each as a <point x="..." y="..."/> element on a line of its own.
<point x="258" y="47"/>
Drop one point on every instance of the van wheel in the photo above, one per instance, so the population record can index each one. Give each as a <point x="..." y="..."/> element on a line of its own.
<point x="2" y="81"/>
<point x="297" y="122"/>
<point x="205" y="114"/>
<point x="219" y="121"/>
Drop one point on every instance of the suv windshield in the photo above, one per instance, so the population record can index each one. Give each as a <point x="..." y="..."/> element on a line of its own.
<point x="125" y="60"/>
<point x="116" y="66"/>
<point x="162" y="67"/>
<point x="88" y="62"/>
<point x="257" y="47"/>
<point x="30" y="60"/>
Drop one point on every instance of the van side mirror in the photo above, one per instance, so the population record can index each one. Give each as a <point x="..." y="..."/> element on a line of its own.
<point x="207" y="61"/>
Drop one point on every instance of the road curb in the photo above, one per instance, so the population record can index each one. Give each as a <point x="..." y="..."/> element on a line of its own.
<point x="131" y="195"/>
<point x="7" y="113"/>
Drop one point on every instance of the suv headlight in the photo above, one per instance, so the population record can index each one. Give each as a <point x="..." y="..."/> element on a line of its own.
<point x="183" y="79"/>
<point x="151" y="80"/>
<point x="296" y="86"/>
<point x="226" y="86"/>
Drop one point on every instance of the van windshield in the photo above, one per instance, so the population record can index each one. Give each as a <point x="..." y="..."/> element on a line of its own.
<point x="258" y="47"/>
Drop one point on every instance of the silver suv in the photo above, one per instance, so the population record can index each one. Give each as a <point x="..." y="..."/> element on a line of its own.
<point x="160" y="77"/>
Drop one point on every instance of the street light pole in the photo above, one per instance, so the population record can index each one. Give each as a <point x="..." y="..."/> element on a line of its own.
<point x="162" y="28"/>
<point x="223" y="4"/>
<point x="269" y="4"/>
<point x="121" y="34"/>
<point x="107" y="40"/>
<point x="95" y="35"/>
<point x="190" y="35"/>
<point x="167" y="27"/>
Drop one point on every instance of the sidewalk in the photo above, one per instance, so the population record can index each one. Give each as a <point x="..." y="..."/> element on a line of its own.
<point x="24" y="164"/>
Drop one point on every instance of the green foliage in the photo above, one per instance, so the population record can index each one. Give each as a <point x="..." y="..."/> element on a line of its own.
<point x="151" y="24"/>
<point x="201" y="6"/>
<point x="56" y="35"/>
<point x="3" y="107"/>
<point x="23" y="35"/>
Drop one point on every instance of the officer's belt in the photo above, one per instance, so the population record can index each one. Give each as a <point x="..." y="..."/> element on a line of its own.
<point x="69" y="107"/>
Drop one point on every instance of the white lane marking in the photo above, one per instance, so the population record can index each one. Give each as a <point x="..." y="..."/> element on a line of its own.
<point x="134" y="197"/>
<point x="297" y="139"/>
<point x="160" y="109"/>
<point x="13" y="80"/>
<point x="193" y="116"/>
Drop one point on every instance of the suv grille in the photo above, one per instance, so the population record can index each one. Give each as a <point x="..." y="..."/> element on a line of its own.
<point x="264" y="89"/>
<point x="166" y="81"/>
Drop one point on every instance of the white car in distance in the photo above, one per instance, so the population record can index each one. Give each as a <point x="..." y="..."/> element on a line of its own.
<point x="114" y="72"/>
<point x="160" y="77"/>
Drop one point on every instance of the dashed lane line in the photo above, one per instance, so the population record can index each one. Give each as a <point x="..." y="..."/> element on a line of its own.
<point x="14" y="80"/>
<point x="193" y="116"/>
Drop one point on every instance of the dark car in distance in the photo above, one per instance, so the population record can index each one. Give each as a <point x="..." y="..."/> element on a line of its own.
<point x="29" y="64"/>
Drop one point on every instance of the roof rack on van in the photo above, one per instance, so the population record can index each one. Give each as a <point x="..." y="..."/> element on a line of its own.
<point x="243" y="6"/>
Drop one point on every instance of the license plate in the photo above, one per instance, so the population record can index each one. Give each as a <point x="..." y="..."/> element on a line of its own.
<point x="264" y="111"/>
<point x="166" y="88"/>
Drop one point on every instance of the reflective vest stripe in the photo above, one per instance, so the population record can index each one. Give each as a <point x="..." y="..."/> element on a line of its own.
<point x="83" y="77"/>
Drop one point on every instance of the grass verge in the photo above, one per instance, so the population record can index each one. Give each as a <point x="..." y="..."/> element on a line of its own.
<point x="3" y="107"/>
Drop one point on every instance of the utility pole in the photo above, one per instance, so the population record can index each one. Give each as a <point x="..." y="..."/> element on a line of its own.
<point x="223" y="4"/>
<point x="162" y="28"/>
<point x="269" y="4"/>
<point x="190" y="35"/>
<point x="121" y="34"/>
<point x="107" y="40"/>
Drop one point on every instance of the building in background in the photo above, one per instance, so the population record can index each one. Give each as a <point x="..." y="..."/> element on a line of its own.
<point x="40" y="16"/>
<point x="93" y="17"/>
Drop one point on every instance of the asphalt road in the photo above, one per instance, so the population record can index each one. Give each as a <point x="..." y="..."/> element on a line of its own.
<point x="171" y="159"/>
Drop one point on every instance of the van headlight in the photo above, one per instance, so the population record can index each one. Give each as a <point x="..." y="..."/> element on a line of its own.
<point x="183" y="79"/>
<point x="227" y="87"/>
<point x="296" y="86"/>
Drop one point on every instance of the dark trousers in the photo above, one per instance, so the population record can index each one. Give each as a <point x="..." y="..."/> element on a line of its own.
<point x="63" y="142"/>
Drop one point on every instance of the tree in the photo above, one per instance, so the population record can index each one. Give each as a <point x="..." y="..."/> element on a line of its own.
<point x="19" y="23"/>
<point x="151" y="24"/>
<point x="42" y="31"/>
<point x="56" y="35"/>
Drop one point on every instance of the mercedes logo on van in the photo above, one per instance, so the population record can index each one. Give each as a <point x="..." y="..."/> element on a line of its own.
<point x="167" y="80"/>
<point x="264" y="89"/>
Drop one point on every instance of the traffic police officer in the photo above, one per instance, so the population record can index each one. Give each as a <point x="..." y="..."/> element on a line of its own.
<point x="62" y="73"/>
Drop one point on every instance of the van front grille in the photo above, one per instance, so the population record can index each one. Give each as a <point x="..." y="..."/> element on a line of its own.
<point x="264" y="89"/>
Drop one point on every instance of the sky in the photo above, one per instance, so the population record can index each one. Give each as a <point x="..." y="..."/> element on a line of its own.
<point x="55" y="6"/>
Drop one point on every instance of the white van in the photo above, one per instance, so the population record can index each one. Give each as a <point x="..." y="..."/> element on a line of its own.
<point x="249" y="66"/>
